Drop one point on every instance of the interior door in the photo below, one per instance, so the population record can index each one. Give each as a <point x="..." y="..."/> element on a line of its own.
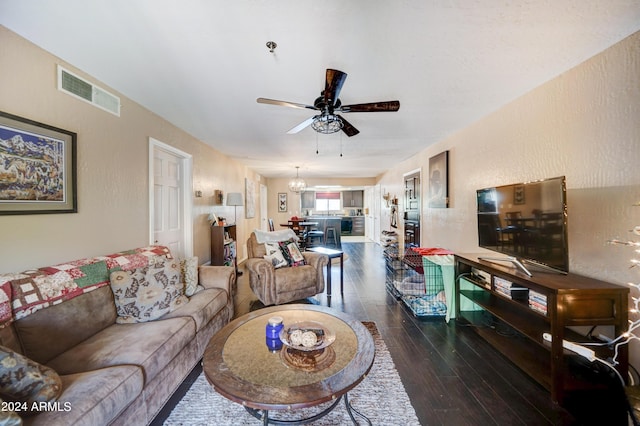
<point x="170" y="208"/>
<point x="377" y="195"/>
<point x="167" y="208"/>
<point x="368" y="212"/>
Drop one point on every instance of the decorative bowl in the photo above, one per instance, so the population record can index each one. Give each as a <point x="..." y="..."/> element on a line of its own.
<point x="307" y="336"/>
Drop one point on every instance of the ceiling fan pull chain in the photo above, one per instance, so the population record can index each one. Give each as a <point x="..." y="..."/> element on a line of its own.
<point x="317" y="152"/>
<point x="340" y="144"/>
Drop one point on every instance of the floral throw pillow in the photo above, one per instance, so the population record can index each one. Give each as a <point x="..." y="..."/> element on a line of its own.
<point x="274" y="255"/>
<point x="292" y="253"/>
<point x="146" y="294"/>
<point x="9" y="417"/>
<point x="189" y="269"/>
<point x="25" y="381"/>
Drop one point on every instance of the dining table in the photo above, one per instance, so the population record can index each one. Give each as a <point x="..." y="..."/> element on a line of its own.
<point x="301" y="228"/>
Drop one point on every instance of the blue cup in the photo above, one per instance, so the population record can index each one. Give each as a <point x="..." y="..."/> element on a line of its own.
<point x="274" y="345"/>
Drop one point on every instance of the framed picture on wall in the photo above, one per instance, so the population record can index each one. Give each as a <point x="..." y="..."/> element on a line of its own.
<point x="282" y="202"/>
<point x="37" y="167"/>
<point x="518" y="194"/>
<point x="250" y="196"/>
<point x="439" y="180"/>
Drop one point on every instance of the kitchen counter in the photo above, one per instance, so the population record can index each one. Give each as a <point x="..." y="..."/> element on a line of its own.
<point x="323" y="222"/>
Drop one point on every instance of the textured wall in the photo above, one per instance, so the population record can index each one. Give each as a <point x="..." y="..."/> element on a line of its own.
<point x="113" y="200"/>
<point x="584" y="124"/>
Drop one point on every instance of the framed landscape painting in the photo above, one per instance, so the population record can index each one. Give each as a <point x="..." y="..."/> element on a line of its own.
<point x="37" y="167"/>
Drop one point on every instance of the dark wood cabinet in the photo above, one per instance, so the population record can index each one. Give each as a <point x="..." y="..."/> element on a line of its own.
<point x="548" y="302"/>
<point x="412" y="210"/>
<point x="411" y="233"/>
<point x="223" y="245"/>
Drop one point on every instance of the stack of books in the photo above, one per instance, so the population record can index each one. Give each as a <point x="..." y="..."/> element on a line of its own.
<point x="538" y="302"/>
<point x="510" y="290"/>
<point x="502" y="286"/>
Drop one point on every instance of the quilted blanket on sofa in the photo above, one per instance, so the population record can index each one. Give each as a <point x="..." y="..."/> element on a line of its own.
<point x="24" y="293"/>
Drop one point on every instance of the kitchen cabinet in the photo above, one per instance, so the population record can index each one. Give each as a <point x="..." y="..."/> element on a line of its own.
<point x="308" y="200"/>
<point x="352" y="198"/>
<point x="358" y="226"/>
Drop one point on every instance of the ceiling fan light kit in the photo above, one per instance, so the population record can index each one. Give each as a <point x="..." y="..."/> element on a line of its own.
<point x="328" y="103"/>
<point x="326" y="124"/>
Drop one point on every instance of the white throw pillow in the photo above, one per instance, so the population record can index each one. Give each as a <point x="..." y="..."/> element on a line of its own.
<point x="274" y="255"/>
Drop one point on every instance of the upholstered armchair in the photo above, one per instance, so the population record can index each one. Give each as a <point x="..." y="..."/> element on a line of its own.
<point x="275" y="286"/>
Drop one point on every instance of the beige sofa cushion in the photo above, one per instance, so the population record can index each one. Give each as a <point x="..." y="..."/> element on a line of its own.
<point x="202" y="306"/>
<point x="295" y="283"/>
<point x="151" y="345"/>
<point x="49" y="332"/>
<point x="94" y="397"/>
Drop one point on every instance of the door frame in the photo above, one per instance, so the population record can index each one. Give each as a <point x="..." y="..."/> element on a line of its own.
<point x="264" y="207"/>
<point x="186" y="179"/>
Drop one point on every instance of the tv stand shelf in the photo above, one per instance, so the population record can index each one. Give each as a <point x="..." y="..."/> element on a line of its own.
<point x="571" y="300"/>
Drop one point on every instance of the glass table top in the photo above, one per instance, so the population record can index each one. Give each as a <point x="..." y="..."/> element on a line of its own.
<point x="240" y="365"/>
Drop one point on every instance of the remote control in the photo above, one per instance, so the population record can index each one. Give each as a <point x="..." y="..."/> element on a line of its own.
<point x="574" y="347"/>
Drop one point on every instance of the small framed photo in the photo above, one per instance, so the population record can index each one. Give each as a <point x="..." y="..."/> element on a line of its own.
<point x="282" y="202"/>
<point x="518" y="194"/>
<point x="37" y="167"/>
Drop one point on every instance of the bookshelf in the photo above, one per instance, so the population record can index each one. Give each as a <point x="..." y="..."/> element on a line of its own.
<point x="223" y="246"/>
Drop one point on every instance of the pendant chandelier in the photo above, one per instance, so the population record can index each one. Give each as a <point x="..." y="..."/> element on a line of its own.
<point x="297" y="184"/>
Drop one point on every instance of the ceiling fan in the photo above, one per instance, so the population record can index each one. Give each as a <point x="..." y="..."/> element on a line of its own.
<point x="328" y="103"/>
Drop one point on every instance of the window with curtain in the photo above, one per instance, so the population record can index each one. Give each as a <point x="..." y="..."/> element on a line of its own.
<point x="327" y="201"/>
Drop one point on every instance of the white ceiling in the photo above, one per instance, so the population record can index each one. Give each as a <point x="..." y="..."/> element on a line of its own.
<point x="202" y="64"/>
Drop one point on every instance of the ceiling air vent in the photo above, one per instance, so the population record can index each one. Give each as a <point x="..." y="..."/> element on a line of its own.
<point x="82" y="89"/>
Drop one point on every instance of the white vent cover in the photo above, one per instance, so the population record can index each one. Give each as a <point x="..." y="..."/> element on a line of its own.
<point x="82" y="89"/>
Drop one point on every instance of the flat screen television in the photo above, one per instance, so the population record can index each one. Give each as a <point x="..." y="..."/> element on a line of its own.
<point x="526" y="222"/>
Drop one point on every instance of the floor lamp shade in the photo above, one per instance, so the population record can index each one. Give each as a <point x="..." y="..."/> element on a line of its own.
<point x="234" y="199"/>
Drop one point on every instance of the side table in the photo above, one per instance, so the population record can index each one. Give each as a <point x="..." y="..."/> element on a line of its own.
<point x="331" y="254"/>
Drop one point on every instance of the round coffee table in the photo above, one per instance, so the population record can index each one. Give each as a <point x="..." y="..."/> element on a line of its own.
<point x="244" y="367"/>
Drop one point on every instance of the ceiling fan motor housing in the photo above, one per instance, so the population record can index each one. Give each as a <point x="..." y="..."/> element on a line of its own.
<point x="320" y="104"/>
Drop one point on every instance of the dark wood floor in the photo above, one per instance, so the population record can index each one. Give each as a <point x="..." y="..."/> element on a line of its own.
<point x="452" y="376"/>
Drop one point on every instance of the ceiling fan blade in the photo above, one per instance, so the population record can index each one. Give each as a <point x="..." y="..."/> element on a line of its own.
<point x="333" y="85"/>
<point x="304" y="124"/>
<point x="372" y="107"/>
<point x="347" y="128"/>
<point x="284" y="103"/>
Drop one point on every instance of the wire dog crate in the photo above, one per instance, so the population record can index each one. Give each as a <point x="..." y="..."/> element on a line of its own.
<point x="416" y="281"/>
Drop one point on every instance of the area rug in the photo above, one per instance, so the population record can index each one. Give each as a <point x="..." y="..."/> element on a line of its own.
<point x="380" y="396"/>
